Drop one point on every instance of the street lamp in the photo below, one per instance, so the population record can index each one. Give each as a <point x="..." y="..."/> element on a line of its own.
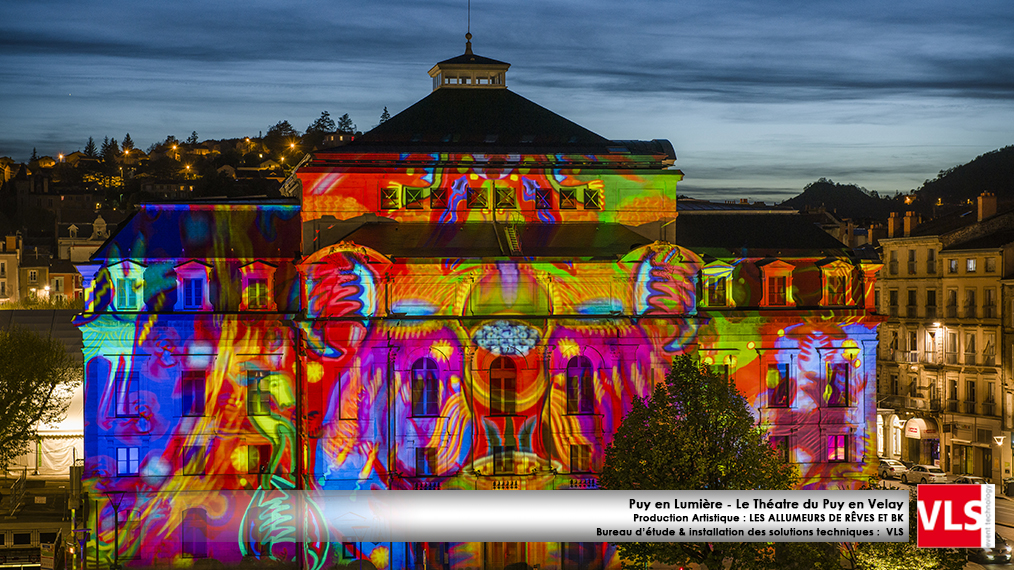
<point x="115" y="499"/>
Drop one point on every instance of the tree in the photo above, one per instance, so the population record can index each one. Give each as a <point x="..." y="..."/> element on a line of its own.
<point x="128" y="143"/>
<point x="318" y="129"/>
<point x="35" y="155"/>
<point x="384" y="116"/>
<point x="110" y="150"/>
<point x="36" y="380"/>
<point x="345" y="124"/>
<point x="192" y="139"/>
<point x="279" y="136"/>
<point x="90" y="149"/>
<point x="696" y="432"/>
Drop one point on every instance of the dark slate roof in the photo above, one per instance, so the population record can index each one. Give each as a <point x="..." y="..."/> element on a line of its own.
<point x="468" y="120"/>
<point x="947" y="223"/>
<point x="695" y="205"/>
<point x="994" y="240"/>
<point x="722" y="235"/>
<point x="50" y="324"/>
<point x="583" y="240"/>
<point x="471" y="59"/>
<point x="224" y="230"/>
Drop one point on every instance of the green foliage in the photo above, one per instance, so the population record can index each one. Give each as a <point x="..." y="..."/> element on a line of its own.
<point x="384" y="116"/>
<point x="279" y="136"/>
<point x="192" y="139"/>
<point x="36" y="380"/>
<point x="128" y="143"/>
<point x="905" y="555"/>
<point x="697" y="432"/>
<point x="316" y="130"/>
<point x="345" y="124"/>
<point x="90" y="149"/>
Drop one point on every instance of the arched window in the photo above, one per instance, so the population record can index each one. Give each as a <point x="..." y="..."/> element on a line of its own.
<point x="503" y="379"/>
<point x="425" y="388"/>
<point x="580" y="392"/>
<point x="195" y="533"/>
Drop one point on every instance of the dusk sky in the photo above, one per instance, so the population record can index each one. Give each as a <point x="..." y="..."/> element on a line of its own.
<point x="759" y="98"/>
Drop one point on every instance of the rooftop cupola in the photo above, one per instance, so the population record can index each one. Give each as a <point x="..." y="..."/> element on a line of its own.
<point x="469" y="71"/>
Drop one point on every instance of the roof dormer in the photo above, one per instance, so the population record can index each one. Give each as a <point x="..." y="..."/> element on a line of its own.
<point x="469" y="71"/>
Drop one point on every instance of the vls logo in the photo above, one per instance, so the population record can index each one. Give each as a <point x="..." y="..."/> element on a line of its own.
<point x="956" y="516"/>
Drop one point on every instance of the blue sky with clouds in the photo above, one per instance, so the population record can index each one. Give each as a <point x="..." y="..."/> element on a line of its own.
<point x="758" y="98"/>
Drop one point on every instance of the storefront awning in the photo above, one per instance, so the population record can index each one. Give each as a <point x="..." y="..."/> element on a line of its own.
<point x="921" y="428"/>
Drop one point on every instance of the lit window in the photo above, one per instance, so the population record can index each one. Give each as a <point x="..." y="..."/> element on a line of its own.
<point x="543" y="199"/>
<point x="580" y="391"/>
<point x="779" y="386"/>
<point x="425" y="388"/>
<point x="716" y="288"/>
<point x="505" y="198"/>
<point x="568" y="198"/>
<point x="389" y="198"/>
<point x="33" y="276"/>
<point x="780" y="443"/>
<point x="194" y="459"/>
<point x="776" y="291"/>
<point x="837" y="283"/>
<point x="193" y="293"/>
<point x="258" y="393"/>
<point x="257" y="294"/>
<point x="592" y="199"/>
<point x="126" y="392"/>
<point x="580" y="458"/>
<point x="258" y="286"/>
<point x="193" y="392"/>
<point x="195" y="533"/>
<point x="425" y="461"/>
<point x="438" y="199"/>
<point x="126" y="294"/>
<point x="837" y="448"/>
<point x="502" y="387"/>
<point x="970" y="265"/>
<point x="990" y="265"/>
<point x="475" y="198"/>
<point x="837" y="391"/>
<point x="777" y="279"/>
<point x="128" y="461"/>
<point x="503" y="460"/>
<point x="952" y="265"/>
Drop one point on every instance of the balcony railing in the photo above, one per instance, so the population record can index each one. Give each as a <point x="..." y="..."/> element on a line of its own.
<point x="989" y="408"/>
<point x="892" y="310"/>
<point x="989" y="312"/>
<point x="931" y="266"/>
<point x="951" y="358"/>
<point x="971" y="312"/>
<point x="931" y="311"/>
<point x="970" y="358"/>
<point x="989" y="360"/>
<point x="929" y="357"/>
<point x="912" y="311"/>
<point x="913" y="356"/>
<point x="952" y="311"/>
<point x="970" y="408"/>
<point x="893" y="267"/>
<point x="911" y="268"/>
<point x="952" y="405"/>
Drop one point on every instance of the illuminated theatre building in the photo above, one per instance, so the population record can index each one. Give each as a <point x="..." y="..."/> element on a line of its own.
<point x="466" y="297"/>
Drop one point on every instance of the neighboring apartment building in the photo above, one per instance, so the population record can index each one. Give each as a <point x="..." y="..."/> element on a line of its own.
<point x="10" y="261"/>
<point x="941" y="382"/>
<point x="467" y="297"/>
<point x="33" y="275"/>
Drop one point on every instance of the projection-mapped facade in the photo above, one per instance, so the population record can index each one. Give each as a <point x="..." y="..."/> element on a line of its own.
<point x="467" y="297"/>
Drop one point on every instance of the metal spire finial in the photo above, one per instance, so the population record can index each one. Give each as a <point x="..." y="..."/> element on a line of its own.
<point x="468" y="30"/>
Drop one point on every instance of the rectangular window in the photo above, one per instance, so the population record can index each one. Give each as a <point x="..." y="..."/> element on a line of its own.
<point x="425" y="392"/>
<point x="425" y="461"/>
<point x="837" y="448"/>
<point x="438" y="198"/>
<point x="989" y="349"/>
<point x="780" y="443"/>
<point x="836" y="290"/>
<point x="716" y="288"/>
<point x="194" y="459"/>
<point x="892" y="302"/>
<point x="128" y="461"/>
<point x="503" y="460"/>
<point x="989" y="303"/>
<point x="931" y="260"/>
<point x="257" y="293"/>
<point x="414" y="197"/>
<point x="126" y="294"/>
<point x="970" y="265"/>
<point x="389" y="198"/>
<point x="580" y="458"/>
<point x="501" y="396"/>
<point x="258" y="393"/>
<point x="911" y="262"/>
<point x="952" y="266"/>
<point x="893" y="264"/>
<point x="931" y="303"/>
<point x="776" y="291"/>
<point x="971" y="309"/>
<point x="193" y="392"/>
<point x="990" y="265"/>
<point x="580" y="390"/>
<point x="970" y="395"/>
<point x="195" y="533"/>
<point x="970" y="348"/>
<point x="193" y="294"/>
<point x="543" y="199"/>
<point x="592" y="199"/>
<point x="476" y="198"/>
<point x="505" y="198"/>
<point x="33" y="275"/>
<point x="779" y="385"/>
<point x="568" y="198"/>
<point x="126" y="392"/>
<point x="837" y="384"/>
<point x="258" y="458"/>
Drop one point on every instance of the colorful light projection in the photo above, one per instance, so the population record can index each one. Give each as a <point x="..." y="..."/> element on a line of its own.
<point x="450" y="374"/>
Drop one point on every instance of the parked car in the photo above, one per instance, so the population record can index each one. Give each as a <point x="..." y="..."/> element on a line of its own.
<point x="892" y="469"/>
<point x="1001" y="552"/>
<point x="970" y="480"/>
<point x="924" y="474"/>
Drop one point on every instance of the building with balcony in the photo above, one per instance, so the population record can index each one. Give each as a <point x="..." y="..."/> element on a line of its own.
<point x="467" y="297"/>
<point x="941" y="381"/>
